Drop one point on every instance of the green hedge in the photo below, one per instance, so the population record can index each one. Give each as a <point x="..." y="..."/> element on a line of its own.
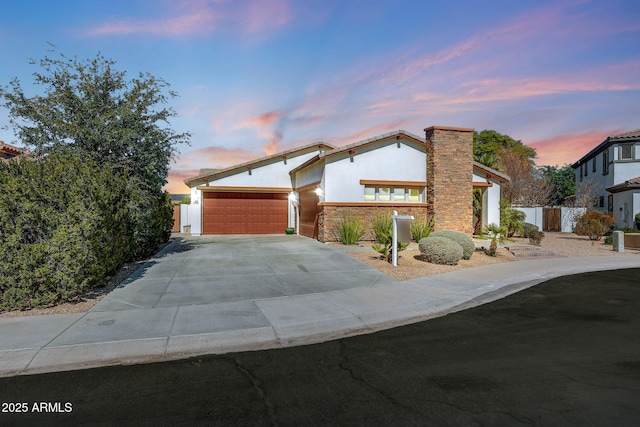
<point x="64" y="224"/>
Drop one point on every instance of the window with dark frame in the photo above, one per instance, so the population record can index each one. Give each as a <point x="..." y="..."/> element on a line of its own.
<point x="602" y="201"/>
<point x="626" y="152"/>
<point x="605" y="162"/>
<point x="610" y="202"/>
<point x="594" y="165"/>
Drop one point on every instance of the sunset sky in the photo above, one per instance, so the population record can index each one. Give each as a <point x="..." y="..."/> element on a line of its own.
<point x="260" y="76"/>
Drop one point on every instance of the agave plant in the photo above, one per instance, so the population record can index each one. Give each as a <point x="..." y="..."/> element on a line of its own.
<point x="383" y="231"/>
<point x="497" y="234"/>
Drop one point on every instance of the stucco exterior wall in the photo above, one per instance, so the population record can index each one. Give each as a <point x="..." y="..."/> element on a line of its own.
<point x="626" y="205"/>
<point x="195" y="212"/>
<point x="309" y="175"/>
<point x="270" y="175"/>
<point x="390" y="162"/>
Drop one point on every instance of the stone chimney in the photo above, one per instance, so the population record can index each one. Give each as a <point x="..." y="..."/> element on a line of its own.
<point x="449" y="177"/>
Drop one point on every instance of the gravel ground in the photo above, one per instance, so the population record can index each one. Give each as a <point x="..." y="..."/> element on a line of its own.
<point x="411" y="264"/>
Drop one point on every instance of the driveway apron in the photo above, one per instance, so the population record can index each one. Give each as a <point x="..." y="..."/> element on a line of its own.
<point x="223" y="269"/>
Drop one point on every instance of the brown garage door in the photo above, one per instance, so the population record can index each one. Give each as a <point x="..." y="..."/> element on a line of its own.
<point x="244" y="213"/>
<point x="309" y="213"/>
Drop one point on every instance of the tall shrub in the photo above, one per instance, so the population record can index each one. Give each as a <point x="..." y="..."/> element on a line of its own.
<point x="64" y="224"/>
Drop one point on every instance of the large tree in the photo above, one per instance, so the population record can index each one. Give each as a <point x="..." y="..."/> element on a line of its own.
<point x="528" y="187"/>
<point x="563" y="180"/>
<point x="491" y="143"/>
<point x="90" y="109"/>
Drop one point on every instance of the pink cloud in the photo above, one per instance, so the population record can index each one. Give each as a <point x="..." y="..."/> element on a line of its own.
<point x="186" y="18"/>
<point x="568" y="148"/>
<point x="175" y="184"/>
<point x="262" y="15"/>
<point x="196" y="21"/>
<point x="262" y="119"/>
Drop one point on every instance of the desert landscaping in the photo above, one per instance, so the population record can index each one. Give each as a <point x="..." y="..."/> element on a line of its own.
<point x="411" y="265"/>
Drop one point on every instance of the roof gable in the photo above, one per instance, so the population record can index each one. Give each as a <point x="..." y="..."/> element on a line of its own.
<point x="214" y="173"/>
<point x="629" y="136"/>
<point x="376" y="139"/>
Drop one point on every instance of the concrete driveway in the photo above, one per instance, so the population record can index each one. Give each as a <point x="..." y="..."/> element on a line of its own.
<point x="215" y="269"/>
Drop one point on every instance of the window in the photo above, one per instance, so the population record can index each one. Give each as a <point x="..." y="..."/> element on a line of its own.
<point x="399" y="194"/>
<point x="602" y="201"/>
<point x="586" y="168"/>
<point x="605" y="162"/>
<point x="581" y="172"/>
<point x="626" y="152"/>
<point x="393" y="194"/>
<point x="594" y="165"/>
<point x="369" y="194"/>
<point x="610" y="202"/>
<point x="384" y="194"/>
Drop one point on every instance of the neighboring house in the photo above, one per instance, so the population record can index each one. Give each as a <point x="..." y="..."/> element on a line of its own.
<point x="610" y="176"/>
<point x="312" y="187"/>
<point x="8" y="152"/>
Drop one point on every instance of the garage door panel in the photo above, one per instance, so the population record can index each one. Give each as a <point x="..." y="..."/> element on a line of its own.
<point x="245" y="213"/>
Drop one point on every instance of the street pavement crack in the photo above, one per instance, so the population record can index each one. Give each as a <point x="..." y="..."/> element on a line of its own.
<point x="363" y="381"/>
<point x="259" y="389"/>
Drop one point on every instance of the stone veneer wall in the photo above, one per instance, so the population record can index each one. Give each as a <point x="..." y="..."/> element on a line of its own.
<point x="330" y="215"/>
<point x="449" y="177"/>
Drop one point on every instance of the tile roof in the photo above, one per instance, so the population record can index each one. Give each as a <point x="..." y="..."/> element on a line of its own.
<point x="622" y="136"/>
<point x="630" y="184"/>
<point x="9" y="151"/>
<point x="627" y="135"/>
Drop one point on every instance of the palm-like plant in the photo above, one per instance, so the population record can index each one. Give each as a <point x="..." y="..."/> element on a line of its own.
<point x="497" y="234"/>
<point x="511" y="218"/>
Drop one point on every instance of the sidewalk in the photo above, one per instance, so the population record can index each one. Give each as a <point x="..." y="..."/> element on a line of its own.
<point x="107" y="337"/>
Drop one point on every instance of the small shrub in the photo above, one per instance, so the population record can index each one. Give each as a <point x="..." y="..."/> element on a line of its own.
<point x="497" y="234"/>
<point x="608" y="240"/>
<point x="349" y="229"/>
<point x="513" y="220"/>
<point x="594" y="224"/>
<point x="440" y="250"/>
<point x="421" y="228"/>
<point x="529" y="229"/>
<point x="535" y="238"/>
<point x="383" y="233"/>
<point x="465" y="242"/>
<point x="382" y="226"/>
<point x="628" y="230"/>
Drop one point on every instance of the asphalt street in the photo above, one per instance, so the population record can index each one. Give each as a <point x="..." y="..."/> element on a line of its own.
<point x="565" y="352"/>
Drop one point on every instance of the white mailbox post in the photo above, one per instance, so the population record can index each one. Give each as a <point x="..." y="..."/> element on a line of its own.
<point x="401" y="233"/>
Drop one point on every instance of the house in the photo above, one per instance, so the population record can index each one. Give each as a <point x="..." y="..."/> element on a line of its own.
<point x="610" y="176"/>
<point x="311" y="188"/>
<point x="8" y="152"/>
